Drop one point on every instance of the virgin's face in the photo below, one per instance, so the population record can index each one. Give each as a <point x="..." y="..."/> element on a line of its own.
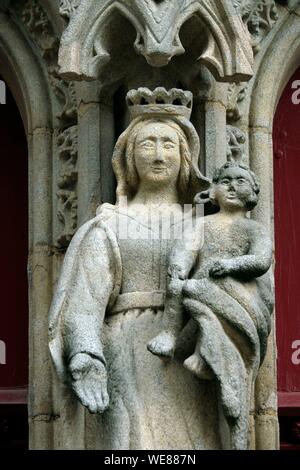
<point x="157" y="154"/>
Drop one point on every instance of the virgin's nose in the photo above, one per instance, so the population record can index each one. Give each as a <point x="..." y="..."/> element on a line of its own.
<point x="159" y="153"/>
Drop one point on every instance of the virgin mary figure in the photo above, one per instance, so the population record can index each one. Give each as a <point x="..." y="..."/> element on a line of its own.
<point x="110" y="297"/>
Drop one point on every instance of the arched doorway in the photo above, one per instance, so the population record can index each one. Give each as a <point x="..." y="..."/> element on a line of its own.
<point x="286" y="135"/>
<point x="14" y="285"/>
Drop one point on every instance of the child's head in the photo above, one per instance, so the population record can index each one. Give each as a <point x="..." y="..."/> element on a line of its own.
<point x="234" y="187"/>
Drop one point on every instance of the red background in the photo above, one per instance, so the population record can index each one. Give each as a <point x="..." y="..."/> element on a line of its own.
<point x="287" y="235"/>
<point x="14" y="246"/>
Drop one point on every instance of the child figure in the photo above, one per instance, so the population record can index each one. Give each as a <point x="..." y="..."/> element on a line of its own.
<point x="234" y="245"/>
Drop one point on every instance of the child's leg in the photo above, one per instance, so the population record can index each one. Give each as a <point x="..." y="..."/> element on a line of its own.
<point x="197" y="365"/>
<point x="164" y="343"/>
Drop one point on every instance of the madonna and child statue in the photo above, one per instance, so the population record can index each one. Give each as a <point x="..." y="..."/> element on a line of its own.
<point x="161" y="315"/>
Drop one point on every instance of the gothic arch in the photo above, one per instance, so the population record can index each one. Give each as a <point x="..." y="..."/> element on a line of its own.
<point x="278" y="63"/>
<point x="227" y="53"/>
<point x="25" y="76"/>
<point x="22" y="69"/>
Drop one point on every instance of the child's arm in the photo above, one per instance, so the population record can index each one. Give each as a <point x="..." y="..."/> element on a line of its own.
<point x="181" y="261"/>
<point x="185" y="251"/>
<point x="255" y="263"/>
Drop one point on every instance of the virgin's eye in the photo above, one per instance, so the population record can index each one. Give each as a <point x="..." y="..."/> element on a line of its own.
<point x="169" y="145"/>
<point x="241" y="180"/>
<point x="225" y="182"/>
<point x="147" y="144"/>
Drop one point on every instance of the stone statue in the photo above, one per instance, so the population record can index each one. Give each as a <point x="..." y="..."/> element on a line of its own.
<point x="110" y="299"/>
<point x="223" y="297"/>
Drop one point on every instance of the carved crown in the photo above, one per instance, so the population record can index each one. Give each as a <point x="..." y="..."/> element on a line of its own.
<point x="159" y="102"/>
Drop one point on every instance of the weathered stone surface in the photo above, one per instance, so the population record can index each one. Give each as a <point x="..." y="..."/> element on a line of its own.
<point x="35" y="17"/>
<point x="40" y="406"/>
<point x="215" y="136"/>
<point x="262" y="141"/>
<point x="266" y="440"/>
<point x="111" y="295"/>
<point x="236" y="140"/>
<point x="259" y="16"/>
<point x="67" y="8"/>
<point x="167" y="132"/>
<point x="18" y="61"/>
<point x="277" y="61"/>
<point x="271" y="76"/>
<point x="234" y="190"/>
<point x="84" y="49"/>
<point x="40" y="171"/>
<point x="89" y="194"/>
<point x="28" y="55"/>
<point x="67" y="183"/>
<point x="236" y="95"/>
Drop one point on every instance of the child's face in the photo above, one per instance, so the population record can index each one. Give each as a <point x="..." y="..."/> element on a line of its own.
<point x="234" y="189"/>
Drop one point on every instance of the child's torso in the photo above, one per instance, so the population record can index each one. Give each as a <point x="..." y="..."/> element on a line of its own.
<point x="223" y="239"/>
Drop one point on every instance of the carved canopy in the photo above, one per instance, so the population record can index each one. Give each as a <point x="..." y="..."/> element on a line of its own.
<point x="227" y="48"/>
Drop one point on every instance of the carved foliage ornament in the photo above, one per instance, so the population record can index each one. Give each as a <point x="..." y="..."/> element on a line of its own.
<point x="36" y="21"/>
<point x="259" y="17"/>
<point x="41" y="30"/>
<point x="235" y="97"/>
<point x="227" y="52"/>
<point x="67" y="196"/>
<point x="236" y="140"/>
<point x="68" y="7"/>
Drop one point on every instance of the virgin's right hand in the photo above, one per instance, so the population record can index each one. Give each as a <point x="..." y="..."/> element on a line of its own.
<point x="89" y="382"/>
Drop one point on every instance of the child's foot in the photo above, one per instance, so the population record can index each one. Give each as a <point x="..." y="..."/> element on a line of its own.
<point x="198" y="367"/>
<point x="163" y="345"/>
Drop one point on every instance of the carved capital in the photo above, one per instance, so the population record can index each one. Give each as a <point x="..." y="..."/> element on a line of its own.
<point x="226" y="42"/>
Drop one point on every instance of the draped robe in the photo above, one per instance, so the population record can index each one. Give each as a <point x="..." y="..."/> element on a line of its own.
<point x="109" y="303"/>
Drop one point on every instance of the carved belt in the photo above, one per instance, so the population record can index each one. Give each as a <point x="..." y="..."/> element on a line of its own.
<point x="131" y="300"/>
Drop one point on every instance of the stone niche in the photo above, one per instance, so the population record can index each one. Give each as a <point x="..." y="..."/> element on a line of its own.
<point x="74" y="109"/>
